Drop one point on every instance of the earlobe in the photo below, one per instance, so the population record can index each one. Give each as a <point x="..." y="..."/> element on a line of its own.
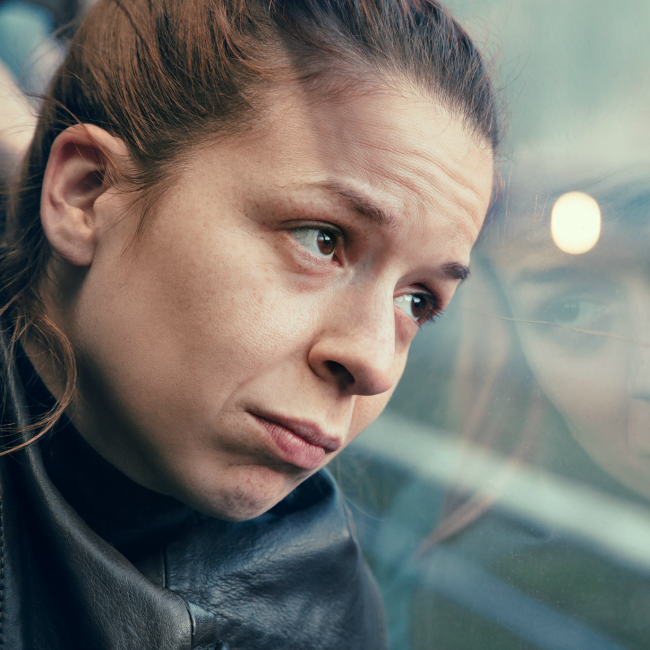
<point x="74" y="180"/>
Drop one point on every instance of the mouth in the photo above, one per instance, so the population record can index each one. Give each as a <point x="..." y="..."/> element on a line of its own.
<point x="297" y="442"/>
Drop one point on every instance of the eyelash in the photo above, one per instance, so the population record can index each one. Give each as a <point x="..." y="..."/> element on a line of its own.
<point x="433" y="318"/>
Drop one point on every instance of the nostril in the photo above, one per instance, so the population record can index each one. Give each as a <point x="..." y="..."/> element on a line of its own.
<point x="342" y="375"/>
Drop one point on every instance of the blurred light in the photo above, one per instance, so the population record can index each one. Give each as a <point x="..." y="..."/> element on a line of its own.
<point x="575" y="223"/>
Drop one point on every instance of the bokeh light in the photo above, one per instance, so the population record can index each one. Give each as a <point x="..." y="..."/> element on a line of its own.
<point x="575" y="223"/>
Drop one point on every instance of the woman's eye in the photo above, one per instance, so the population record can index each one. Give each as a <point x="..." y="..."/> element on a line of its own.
<point x="321" y="243"/>
<point x="419" y="307"/>
<point x="577" y="312"/>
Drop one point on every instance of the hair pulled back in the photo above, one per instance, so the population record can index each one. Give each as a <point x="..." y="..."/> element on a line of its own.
<point x="163" y="75"/>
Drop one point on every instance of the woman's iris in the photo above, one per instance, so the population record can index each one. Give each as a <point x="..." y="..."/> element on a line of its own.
<point x="321" y="243"/>
<point x="326" y="243"/>
<point x="418" y="306"/>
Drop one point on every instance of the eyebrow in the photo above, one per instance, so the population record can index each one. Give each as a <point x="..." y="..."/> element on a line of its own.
<point x="456" y="271"/>
<point x="546" y="276"/>
<point x="365" y="206"/>
<point x="362" y="203"/>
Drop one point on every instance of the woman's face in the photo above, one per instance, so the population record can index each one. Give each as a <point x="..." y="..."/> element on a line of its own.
<point x="263" y="317"/>
<point x="591" y="351"/>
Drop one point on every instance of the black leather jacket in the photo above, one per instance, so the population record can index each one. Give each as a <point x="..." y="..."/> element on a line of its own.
<point x="291" y="579"/>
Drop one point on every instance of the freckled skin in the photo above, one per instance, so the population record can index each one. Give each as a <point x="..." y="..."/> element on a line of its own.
<point x="217" y="309"/>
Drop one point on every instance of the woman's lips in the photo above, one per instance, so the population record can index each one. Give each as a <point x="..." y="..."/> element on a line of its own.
<point x="300" y="443"/>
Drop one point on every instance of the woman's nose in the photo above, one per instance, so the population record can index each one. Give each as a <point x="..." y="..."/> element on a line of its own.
<point x="639" y="350"/>
<point x="356" y="347"/>
<point x="639" y="377"/>
<point x="638" y="434"/>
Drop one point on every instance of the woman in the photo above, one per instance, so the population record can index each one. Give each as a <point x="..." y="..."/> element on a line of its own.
<point x="582" y="321"/>
<point x="231" y="222"/>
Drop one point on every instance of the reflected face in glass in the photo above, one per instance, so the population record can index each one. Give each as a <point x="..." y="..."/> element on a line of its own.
<point x="263" y="318"/>
<point x="589" y="347"/>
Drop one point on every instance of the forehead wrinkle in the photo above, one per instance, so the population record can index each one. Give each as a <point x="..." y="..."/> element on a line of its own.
<point x="455" y="209"/>
<point x="443" y="157"/>
<point x="462" y="189"/>
<point x="418" y="181"/>
<point x="363" y="204"/>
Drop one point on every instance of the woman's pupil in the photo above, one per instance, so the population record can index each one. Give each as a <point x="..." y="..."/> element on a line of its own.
<point x="326" y="243"/>
<point x="568" y="311"/>
<point x="417" y="306"/>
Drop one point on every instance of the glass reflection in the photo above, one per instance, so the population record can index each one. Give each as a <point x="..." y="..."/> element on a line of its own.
<point x="583" y="323"/>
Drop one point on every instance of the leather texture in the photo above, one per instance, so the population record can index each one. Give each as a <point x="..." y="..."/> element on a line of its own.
<point x="291" y="579"/>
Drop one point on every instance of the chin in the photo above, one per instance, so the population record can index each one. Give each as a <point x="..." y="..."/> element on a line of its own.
<point x="240" y="506"/>
<point x="250" y="495"/>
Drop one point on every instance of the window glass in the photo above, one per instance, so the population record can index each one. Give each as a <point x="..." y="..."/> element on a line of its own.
<point x="502" y="499"/>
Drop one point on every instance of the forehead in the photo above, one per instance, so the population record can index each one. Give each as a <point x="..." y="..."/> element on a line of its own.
<point x="524" y="241"/>
<point x="407" y="151"/>
<point x="527" y="253"/>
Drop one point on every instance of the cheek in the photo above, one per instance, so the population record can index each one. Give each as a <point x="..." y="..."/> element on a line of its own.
<point x="192" y="315"/>
<point x="589" y="390"/>
<point x="222" y="290"/>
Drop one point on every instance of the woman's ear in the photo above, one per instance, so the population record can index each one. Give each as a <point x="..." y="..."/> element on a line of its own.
<point x="74" y="180"/>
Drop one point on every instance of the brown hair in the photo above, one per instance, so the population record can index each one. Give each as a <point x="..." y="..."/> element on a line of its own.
<point x="164" y="74"/>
